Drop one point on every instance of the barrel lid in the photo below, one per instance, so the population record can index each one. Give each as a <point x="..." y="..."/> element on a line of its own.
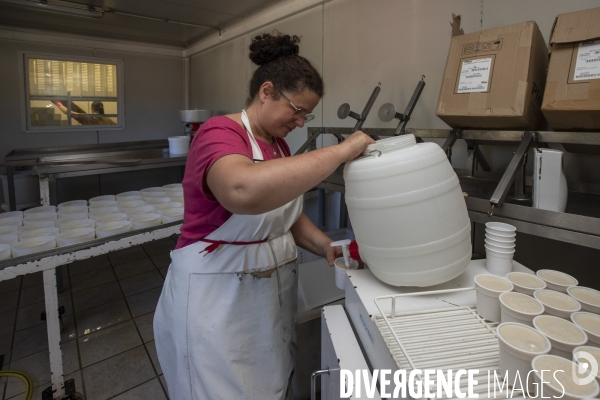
<point x="391" y="144"/>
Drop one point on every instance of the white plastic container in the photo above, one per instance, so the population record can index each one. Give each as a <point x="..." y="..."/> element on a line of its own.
<point x="157" y="200"/>
<point x="555" y="280"/>
<point x="488" y="290"/>
<point x="520" y="308"/>
<point x="563" y="335"/>
<point x="173" y="186"/>
<point x="8" y="229"/>
<point x="152" y="195"/>
<point x="162" y="207"/>
<point x="408" y="212"/>
<point x="33" y="245"/>
<point x="151" y="189"/>
<point x="343" y="264"/>
<point x="140" y="221"/>
<point x="519" y="345"/>
<point x="36" y="225"/>
<point x="73" y="236"/>
<point x="39" y="209"/>
<point x="138" y="210"/>
<point x="177" y="199"/>
<point x="172" y="215"/>
<point x="68" y="215"/>
<point x="499" y="227"/>
<point x="72" y="210"/>
<point x="499" y="246"/>
<point x="557" y="303"/>
<point x="5" y="252"/>
<point x="11" y="221"/>
<point x="37" y="222"/>
<point x="97" y="212"/>
<point x="73" y="203"/>
<point x="131" y="204"/>
<point x="38" y="232"/>
<point x="9" y="239"/>
<point x="565" y="388"/>
<point x="588" y="298"/>
<point x="507" y="237"/>
<point x="581" y="356"/>
<point x="40" y="216"/>
<point x="102" y="204"/>
<point x="11" y="214"/>
<point x="101" y="198"/>
<point x="113" y="229"/>
<point x="110" y="218"/>
<point x="498" y="262"/>
<point x="179" y="145"/>
<point x="128" y="194"/>
<point x="77" y="224"/>
<point x="174" y="192"/>
<point x="525" y="283"/>
<point x="590" y="323"/>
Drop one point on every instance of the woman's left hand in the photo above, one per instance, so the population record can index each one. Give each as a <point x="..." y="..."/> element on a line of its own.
<point x="331" y="253"/>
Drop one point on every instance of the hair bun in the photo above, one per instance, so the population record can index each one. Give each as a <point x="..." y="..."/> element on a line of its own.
<point x="267" y="47"/>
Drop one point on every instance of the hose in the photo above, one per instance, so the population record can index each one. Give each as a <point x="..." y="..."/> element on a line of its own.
<point x="22" y="376"/>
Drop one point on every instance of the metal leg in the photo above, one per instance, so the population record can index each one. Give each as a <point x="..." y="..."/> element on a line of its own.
<point x="10" y="176"/>
<point x="54" y="336"/>
<point x="53" y="190"/>
<point x="60" y="282"/>
<point x="44" y="190"/>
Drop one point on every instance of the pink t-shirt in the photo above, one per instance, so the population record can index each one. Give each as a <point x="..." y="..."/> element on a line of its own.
<point x="218" y="137"/>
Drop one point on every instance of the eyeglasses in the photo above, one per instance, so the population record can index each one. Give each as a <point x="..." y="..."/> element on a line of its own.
<point x="298" y="111"/>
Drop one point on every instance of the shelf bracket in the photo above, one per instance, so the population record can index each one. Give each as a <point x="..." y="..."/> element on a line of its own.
<point x="453" y="135"/>
<point x="474" y="157"/>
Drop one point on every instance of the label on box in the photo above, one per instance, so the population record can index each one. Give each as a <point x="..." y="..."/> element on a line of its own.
<point x="588" y="61"/>
<point x="474" y="75"/>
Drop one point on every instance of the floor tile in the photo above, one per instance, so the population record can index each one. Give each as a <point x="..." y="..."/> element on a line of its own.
<point x="163" y="382"/>
<point x="161" y="260"/>
<point x="31" y="295"/>
<point x="151" y="390"/>
<point x="33" y="340"/>
<point x="37" y="392"/>
<point x="91" y="279"/>
<point x="98" y="295"/>
<point x="151" y="347"/>
<point x="126" y="255"/>
<point x="144" y="302"/>
<point x="163" y="272"/>
<point x="9" y="300"/>
<point x="135" y="267"/>
<point x="141" y="283"/>
<point x="89" y="265"/>
<point x="159" y="246"/>
<point x="29" y="316"/>
<point x="5" y="346"/>
<point x="108" y="342"/>
<point x="10" y="285"/>
<point x="107" y="379"/>
<point x="7" y="322"/>
<point x="145" y="326"/>
<point x="33" y="279"/>
<point x="101" y="317"/>
<point x="68" y="332"/>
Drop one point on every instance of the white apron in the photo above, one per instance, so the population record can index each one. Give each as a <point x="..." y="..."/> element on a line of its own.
<point x="224" y="326"/>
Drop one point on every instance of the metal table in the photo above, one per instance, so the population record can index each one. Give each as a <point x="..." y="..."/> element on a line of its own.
<point x="51" y="164"/>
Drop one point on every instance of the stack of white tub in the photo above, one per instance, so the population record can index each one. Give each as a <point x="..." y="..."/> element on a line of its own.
<point x="499" y="247"/>
<point x="46" y="227"/>
<point x="547" y="322"/>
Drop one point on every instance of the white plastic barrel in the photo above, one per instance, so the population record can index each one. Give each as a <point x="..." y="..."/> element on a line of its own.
<point x="408" y="212"/>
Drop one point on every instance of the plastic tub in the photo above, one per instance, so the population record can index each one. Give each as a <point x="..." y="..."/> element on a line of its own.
<point x="67" y="215"/>
<point x="11" y="221"/>
<point x="588" y="298"/>
<point x="40" y="216"/>
<point x="590" y="323"/>
<point x="499" y="226"/>
<point x="72" y="210"/>
<point x="555" y="280"/>
<point x="581" y="358"/>
<point x="173" y="186"/>
<point x="162" y="207"/>
<point x="73" y="203"/>
<point x="39" y="209"/>
<point x="5" y="251"/>
<point x="557" y="303"/>
<point x="11" y="214"/>
<point x="127" y="194"/>
<point x="174" y="192"/>
<point x="73" y="236"/>
<point x="498" y="262"/>
<point x="520" y="308"/>
<point x="131" y="204"/>
<point x="140" y="221"/>
<point x="172" y="215"/>
<point x="499" y="246"/>
<point x="519" y="345"/>
<point x="110" y="218"/>
<point x="557" y="378"/>
<point x="157" y="200"/>
<point x="139" y="210"/>
<point x="177" y="199"/>
<point x="341" y="269"/>
<point x="36" y="222"/>
<point x="77" y="224"/>
<point x="179" y="144"/>
<point x="101" y="198"/>
<point x="72" y="217"/>
<point x="151" y="189"/>
<point x="563" y="335"/>
<point x="36" y="225"/>
<point x="127" y="199"/>
<point x="502" y="238"/>
<point x="113" y="229"/>
<point x="525" y="283"/>
<point x="149" y="195"/>
<point x="102" y="204"/>
<point x="33" y="245"/>
<point x="96" y="212"/>
<point x="9" y="239"/>
<point x="38" y="232"/>
<point x="8" y="229"/>
<point x="488" y="290"/>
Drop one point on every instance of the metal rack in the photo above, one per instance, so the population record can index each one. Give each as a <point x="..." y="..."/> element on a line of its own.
<point x="487" y="198"/>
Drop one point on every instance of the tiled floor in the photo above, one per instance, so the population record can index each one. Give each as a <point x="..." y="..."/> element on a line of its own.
<point x="108" y="341"/>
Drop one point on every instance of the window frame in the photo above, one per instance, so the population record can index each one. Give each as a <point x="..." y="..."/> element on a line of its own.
<point x="26" y="126"/>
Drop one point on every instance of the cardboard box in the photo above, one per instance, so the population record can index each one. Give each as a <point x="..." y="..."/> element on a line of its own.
<point x="572" y="97"/>
<point x="494" y="79"/>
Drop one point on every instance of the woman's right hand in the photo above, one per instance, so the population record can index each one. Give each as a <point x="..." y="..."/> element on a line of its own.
<point x="354" y="145"/>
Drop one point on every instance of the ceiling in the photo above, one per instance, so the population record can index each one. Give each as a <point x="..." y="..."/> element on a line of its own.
<point x="215" y="13"/>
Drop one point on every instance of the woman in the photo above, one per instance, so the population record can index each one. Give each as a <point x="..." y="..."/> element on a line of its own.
<point x="81" y="116"/>
<point x="225" y="322"/>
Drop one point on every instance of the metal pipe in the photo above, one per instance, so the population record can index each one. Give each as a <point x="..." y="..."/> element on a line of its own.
<point x="164" y="20"/>
<point x="410" y="107"/>
<point x="367" y="109"/>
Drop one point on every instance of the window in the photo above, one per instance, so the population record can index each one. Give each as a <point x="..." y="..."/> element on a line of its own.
<point x="63" y="94"/>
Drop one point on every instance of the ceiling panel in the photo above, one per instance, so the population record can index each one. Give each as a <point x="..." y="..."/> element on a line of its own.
<point x="113" y="26"/>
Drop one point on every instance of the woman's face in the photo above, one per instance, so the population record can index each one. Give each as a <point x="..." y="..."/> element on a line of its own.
<point x="278" y="117"/>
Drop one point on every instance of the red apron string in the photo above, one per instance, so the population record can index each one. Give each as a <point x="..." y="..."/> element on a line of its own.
<point x="214" y="244"/>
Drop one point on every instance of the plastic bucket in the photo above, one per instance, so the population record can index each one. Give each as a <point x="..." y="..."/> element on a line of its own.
<point x="9" y="239"/>
<point x="525" y="283"/>
<point x="113" y="229"/>
<point x="520" y="308"/>
<point x="566" y="388"/>
<point x="488" y="290"/>
<point x="73" y="236"/>
<point x="77" y="224"/>
<point x="33" y="245"/>
<point x="341" y="272"/>
<point x="556" y="280"/>
<point x="557" y="303"/>
<point x="140" y="221"/>
<point x="179" y="144"/>
<point x="588" y="298"/>
<point x="562" y="334"/>
<point x="590" y="323"/>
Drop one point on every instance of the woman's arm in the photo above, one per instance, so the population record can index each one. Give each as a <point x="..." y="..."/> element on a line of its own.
<point x="311" y="238"/>
<point x="245" y="187"/>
